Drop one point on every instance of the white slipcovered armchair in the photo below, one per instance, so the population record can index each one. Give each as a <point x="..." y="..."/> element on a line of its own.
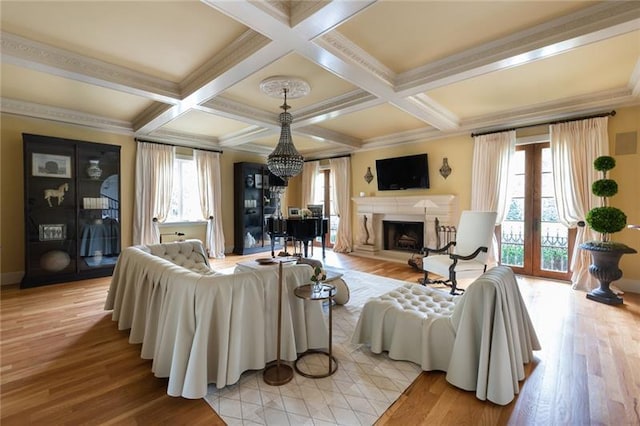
<point x="469" y="256"/>
<point x="480" y="339"/>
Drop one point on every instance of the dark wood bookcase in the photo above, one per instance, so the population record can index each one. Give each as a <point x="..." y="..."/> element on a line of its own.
<point x="253" y="204"/>
<point x="71" y="209"/>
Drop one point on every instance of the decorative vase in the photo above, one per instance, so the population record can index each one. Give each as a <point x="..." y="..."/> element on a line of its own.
<point x="249" y="240"/>
<point x="55" y="260"/>
<point x="604" y="268"/>
<point x="316" y="286"/>
<point x="94" y="171"/>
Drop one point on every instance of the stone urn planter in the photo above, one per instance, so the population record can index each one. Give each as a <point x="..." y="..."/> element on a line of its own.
<point x="605" y="254"/>
<point x="604" y="267"/>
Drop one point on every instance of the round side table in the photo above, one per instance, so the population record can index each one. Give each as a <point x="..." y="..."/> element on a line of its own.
<point x="327" y="293"/>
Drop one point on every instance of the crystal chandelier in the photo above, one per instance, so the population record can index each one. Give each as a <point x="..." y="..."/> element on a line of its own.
<point x="285" y="161"/>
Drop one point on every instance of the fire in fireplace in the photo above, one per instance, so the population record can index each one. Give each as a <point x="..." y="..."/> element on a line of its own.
<point x="403" y="236"/>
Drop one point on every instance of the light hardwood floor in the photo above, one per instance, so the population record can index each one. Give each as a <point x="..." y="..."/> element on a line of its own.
<point x="65" y="362"/>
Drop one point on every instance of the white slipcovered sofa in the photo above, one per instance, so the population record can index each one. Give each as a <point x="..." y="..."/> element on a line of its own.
<point x="200" y="326"/>
<point x="481" y="339"/>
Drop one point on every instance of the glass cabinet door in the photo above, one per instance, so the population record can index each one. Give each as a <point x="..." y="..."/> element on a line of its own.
<point x="98" y="207"/>
<point x="253" y="228"/>
<point x="50" y="215"/>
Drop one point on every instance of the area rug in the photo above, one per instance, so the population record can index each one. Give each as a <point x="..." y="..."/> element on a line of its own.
<point x="362" y="389"/>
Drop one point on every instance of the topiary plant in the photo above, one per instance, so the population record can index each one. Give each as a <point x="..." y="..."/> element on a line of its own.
<point x="606" y="219"/>
<point x="605" y="254"/>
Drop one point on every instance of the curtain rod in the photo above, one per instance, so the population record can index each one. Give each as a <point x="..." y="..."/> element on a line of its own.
<point x="181" y="146"/>
<point x="567" y="120"/>
<point x="329" y="158"/>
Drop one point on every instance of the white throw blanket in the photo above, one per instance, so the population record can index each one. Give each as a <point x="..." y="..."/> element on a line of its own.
<point x="494" y="338"/>
<point x="481" y="342"/>
<point x="201" y="329"/>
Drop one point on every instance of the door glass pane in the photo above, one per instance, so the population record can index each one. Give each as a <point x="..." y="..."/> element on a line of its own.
<point x="512" y="239"/>
<point x="554" y="241"/>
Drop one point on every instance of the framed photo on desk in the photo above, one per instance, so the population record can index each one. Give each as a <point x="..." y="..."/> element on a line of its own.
<point x="293" y="212"/>
<point x="315" y="209"/>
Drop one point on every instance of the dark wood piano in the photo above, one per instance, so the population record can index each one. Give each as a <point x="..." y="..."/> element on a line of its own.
<point x="298" y="230"/>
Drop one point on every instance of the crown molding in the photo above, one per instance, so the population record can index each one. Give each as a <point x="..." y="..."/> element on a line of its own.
<point x="183" y="139"/>
<point x="252" y="148"/>
<point x="327" y="135"/>
<point x="428" y="111"/>
<point x="353" y="101"/>
<point x="234" y="110"/>
<point x="634" y="80"/>
<point x="246" y="136"/>
<point x="593" y="24"/>
<point x="350" y="52"/>
<point x="301" y="10"/>
<point x="149" y="114"/>
<point x="240" y="49"/>
<point x="402" y="138"/>
<point x="42" y="57"/>
<point x="63" y="115"/>
<point x="278" y="9"/>
<point x="551" y="111"/>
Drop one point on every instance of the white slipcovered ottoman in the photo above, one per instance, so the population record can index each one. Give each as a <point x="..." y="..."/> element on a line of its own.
<point x="412" y="322"/>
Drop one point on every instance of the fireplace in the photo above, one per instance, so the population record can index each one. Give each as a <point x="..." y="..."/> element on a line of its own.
<point x="372" y="240"/>
<point x="403" y="236"/>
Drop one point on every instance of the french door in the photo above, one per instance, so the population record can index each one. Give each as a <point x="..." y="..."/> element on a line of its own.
<point x="532" y="241"/>
<point x="323" y="196"/>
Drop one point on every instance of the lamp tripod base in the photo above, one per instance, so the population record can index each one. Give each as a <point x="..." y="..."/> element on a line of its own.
<point x="277" y="374"/>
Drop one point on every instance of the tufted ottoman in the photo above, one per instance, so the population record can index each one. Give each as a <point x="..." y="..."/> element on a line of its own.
<point x="406" y="320"/>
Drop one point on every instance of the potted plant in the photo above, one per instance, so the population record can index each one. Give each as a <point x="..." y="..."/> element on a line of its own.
<point x="605" y="254"/>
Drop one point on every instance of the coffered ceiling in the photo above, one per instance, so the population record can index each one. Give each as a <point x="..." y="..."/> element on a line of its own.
<point x="381" y="72"/>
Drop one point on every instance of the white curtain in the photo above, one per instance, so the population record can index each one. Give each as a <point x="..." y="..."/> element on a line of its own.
<point x="154" y="184"/>
<point x="209" y="185"/>
<point x="574" y="147"/>
<point x="490" y="176"/>
<point x="340" y="177"/>
<point x="310" y="171"/>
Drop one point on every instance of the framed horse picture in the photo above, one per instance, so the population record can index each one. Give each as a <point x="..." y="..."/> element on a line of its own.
<point x="49" y="165"/>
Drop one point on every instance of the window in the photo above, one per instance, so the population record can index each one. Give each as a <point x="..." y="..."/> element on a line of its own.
<point x="185" y="196"/>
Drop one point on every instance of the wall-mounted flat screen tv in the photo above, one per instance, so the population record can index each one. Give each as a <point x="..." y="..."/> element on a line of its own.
<point x="403" y="172"/>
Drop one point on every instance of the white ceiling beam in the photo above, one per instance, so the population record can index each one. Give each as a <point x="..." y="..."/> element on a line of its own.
<point x="231" y="76"/>
<point x="247" y="135"/>
<point x="326" y="135"/>
<point x="228" y="108"/>
<point x="596" y="23"/>
<point x="354" y="101"/>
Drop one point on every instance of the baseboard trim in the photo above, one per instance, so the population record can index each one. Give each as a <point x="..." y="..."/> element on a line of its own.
<point x="9" y="278"/>
<point x="628" y="285"/>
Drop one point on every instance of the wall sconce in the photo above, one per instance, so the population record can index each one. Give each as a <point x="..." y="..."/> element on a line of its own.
<point x="368" y="177"/>
<point x="445" y="170"/>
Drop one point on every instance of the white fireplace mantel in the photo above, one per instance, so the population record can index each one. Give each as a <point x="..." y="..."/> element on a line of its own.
<point x="372" y="211"/>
